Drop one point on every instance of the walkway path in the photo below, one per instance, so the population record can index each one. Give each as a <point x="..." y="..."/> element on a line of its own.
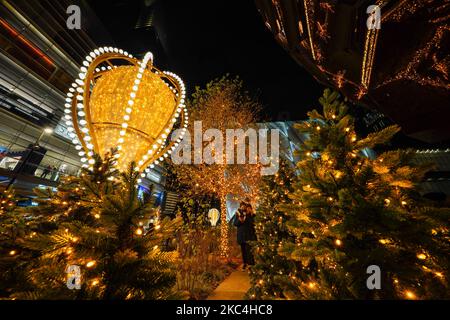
<point x="232" y="288"/>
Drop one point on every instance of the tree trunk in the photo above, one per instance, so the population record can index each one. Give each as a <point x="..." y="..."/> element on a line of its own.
<point x="224" y="250"/>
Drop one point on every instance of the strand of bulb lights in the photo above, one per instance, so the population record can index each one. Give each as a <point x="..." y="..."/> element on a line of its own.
<point x="181" y="107"/>
<point x="77" y="88"/>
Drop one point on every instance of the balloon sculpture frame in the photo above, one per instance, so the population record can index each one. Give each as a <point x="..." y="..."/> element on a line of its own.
<point x="146" y="144"/>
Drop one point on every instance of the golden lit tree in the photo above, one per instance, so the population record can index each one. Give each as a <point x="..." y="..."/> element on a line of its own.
<point x="222" y="105"/>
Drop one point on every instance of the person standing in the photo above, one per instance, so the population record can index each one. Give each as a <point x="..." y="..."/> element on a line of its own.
<point x="46" y="171"/>
<point x="54" y="173"/>
<point x="244" y="221"/>
<point x="251" y="232"/>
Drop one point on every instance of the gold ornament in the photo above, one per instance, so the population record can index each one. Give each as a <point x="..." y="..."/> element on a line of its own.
<point x="123" y="103"/>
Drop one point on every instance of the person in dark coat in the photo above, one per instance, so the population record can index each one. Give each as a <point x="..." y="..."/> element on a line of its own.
<point x="244" y="221"/>
<point x="46" y="171"/>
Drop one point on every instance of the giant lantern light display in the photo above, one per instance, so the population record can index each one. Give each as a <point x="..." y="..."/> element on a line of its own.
<point x="119" y="102"/>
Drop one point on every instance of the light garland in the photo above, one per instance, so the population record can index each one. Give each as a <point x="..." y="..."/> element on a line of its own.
<point x="94" y="102"/>
<point x="410" y="72"/>
<point x="311" y="44"/>
<point x="369" y="55"/>
<point x="433" y="151"/>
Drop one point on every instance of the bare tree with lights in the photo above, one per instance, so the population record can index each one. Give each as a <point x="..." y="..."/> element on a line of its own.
<point x="222" y="105"/>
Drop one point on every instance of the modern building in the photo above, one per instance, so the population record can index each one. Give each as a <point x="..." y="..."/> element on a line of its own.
<point x="399" y="69"/>
<point x="139" y="26"/>
<point x="436" y="184"/>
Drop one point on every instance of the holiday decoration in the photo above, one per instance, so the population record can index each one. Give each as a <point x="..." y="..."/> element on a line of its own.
<point x="87" y="240"/>
<point x="272" y="271"/>
<point x="14" y="231"/>
<point x="351" y="214"/>
<point x="213" y="216"/>
<point x="404" y="85"/>
<point x="119" y="102"/>
<point x="222" y="105"/>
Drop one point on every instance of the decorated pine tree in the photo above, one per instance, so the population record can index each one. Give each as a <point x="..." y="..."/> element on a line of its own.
<point x="14" y="255"/>
<point x="272" y="272"/>
<point x="98" y="243"/>
<point x="349" y="212"/>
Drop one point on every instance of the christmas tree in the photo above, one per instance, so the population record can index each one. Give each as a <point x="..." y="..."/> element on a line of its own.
<point x="351" y="214"/>
<point x="14" y="255"/>
<point x="98" y="242"/>
<point x="272" y="272"/>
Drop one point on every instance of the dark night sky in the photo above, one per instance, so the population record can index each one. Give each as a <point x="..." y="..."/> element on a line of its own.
<point x="205" y="39"/>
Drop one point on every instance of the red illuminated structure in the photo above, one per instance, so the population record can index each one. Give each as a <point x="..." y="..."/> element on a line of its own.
<point x="19" y="45"/>
<point x="401" y="69"/>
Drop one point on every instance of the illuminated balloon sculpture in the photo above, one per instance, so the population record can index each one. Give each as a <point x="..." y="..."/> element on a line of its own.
<point x="213" y="216"/>
<point x="121" y="102"/>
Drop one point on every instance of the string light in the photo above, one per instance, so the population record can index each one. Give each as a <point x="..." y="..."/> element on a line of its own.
<point x="307" y="5"/>
<point x="95" y="282"/>
<point x="421" y="256"/>
<point x="90" y="264"/>
<point x="410" y="295"/>
<point x="369" y="55"/>
<point x="339" y="78"/>
<point x="410" y="72"/>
